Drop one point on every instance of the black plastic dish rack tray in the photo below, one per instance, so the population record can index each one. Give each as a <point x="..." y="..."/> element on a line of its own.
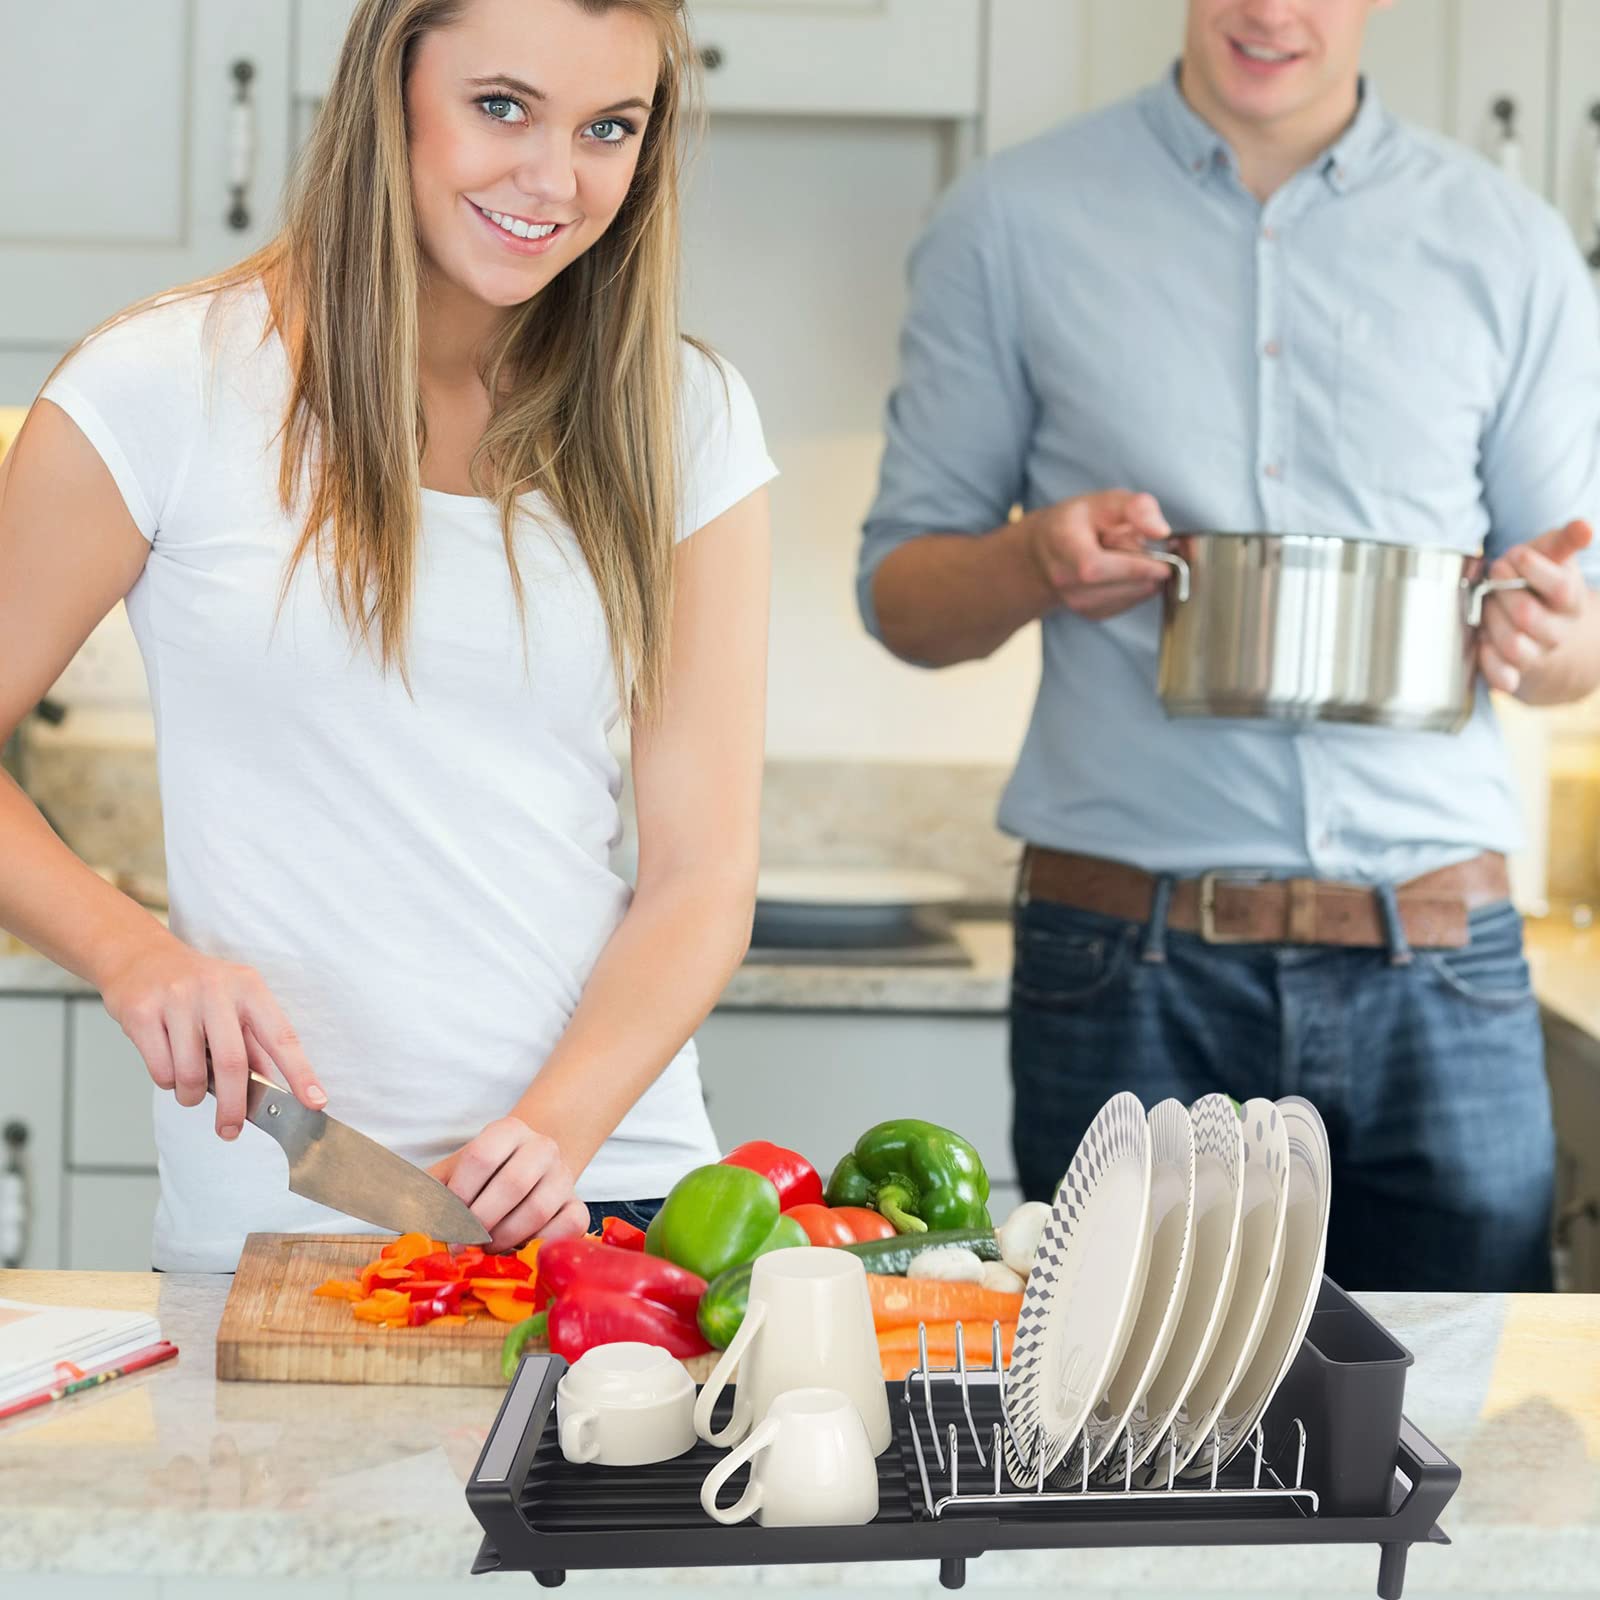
<point x="1374" y="1478"/>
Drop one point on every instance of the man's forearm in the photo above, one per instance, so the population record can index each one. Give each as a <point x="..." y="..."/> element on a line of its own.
<point x="949" y="597"/>
<point x="1572" y="671"/>
<point x="658" y="977"/>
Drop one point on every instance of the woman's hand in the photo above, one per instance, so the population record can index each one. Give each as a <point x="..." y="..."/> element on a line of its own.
<point x="516" y="1183"/>
<point x="175" y="1004"/>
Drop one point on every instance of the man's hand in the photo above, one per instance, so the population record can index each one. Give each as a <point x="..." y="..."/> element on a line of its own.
<point x="516" y="1183"/>
<point x="1521" y="627"/>
<point x="1086" y="550"/>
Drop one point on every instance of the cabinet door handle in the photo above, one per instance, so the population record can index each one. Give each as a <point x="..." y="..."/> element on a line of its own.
<point x="712" y="57"/>
<point x="16" y="1198"/>
<point x="241" y="145"/>
<point x="1593" y="256"/>
<point x="1507" y="146"/>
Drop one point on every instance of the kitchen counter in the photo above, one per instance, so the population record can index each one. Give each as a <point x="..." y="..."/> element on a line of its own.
<point x="170" y="1474"/>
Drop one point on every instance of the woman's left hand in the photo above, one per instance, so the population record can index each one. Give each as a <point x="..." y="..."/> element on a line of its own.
<point x="516" y="1183"/>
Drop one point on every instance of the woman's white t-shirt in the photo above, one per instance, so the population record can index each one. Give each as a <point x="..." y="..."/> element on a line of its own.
<point x="424" y="884"/>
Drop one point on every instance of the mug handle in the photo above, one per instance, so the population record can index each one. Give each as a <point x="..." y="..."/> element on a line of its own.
<point x="580" y="1436"/>
<point x="750" y="1500"/>
<point x="711" y="1390"/>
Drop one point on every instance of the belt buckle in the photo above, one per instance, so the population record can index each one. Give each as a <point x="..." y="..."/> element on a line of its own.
<point x="1208" y="903"/>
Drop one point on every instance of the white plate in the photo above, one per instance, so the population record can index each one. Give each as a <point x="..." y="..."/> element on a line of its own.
<point x="1218" y="1202"/>
<point x="1266" y="1193"/>
<point x="1171" y="1231"/>
<point x="1082" y="1291"/>
<point x="1305" y="1241"/>
<point x="856" y="886"/>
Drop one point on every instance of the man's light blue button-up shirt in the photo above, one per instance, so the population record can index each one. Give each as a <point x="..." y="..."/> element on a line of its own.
<point x="1401" y="344"/>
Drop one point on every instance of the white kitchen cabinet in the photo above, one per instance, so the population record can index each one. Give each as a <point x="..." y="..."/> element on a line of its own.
<point x="869" y="58"/>
<point x="31" y="1055"/>
<point x="111" y="1091"/>
<point x="814" y="1081"/>
<point x="125" y="129"/>
<point x="108" y="1220"/>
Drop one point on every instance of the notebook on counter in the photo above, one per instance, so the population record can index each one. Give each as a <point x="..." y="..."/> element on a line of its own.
<point x="34" y="1339"/>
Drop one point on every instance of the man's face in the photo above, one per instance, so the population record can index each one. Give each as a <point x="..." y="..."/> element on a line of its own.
<point x="1266" y="61"/>
<point x="481" y="142"/>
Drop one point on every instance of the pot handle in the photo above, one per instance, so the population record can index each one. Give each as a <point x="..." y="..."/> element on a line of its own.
<point x="1476" y="594"/>
<point x="1178" y="564"/>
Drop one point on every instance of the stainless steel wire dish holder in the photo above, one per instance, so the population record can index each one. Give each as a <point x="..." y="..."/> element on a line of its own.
<point x="1333" y="1461"/>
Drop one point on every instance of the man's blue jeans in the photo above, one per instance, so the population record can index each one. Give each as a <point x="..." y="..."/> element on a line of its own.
<point x="1427" y="1066"/>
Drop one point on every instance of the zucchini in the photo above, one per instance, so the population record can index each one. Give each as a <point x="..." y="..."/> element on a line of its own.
<point x="891" y="1257"/>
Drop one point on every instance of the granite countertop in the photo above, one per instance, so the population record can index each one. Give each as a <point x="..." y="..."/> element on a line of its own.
<point x="170" y="1473"/>
<point x="982" y="987"/>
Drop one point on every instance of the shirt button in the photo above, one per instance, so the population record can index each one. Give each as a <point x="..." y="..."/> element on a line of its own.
<point x="1273" y="470"/>
<point x="1271" y="347"/>
<point x="1269" y="233"/>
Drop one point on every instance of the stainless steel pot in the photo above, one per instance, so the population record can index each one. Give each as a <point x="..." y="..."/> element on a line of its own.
<point x="1305" y="627"/>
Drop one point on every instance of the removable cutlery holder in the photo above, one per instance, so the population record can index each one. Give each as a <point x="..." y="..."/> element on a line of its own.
<point x="942" y="1496"/>
<point x="1351" y="1374"/>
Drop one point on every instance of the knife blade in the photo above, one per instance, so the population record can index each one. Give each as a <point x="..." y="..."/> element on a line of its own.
<point x="331" y="1163"/>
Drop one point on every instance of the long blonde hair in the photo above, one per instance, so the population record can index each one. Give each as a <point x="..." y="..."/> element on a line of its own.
<point x="590" y="367"/>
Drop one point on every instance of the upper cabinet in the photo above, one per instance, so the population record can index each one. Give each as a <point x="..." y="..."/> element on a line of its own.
<point x="908" y="58"/>
<point x="145" y="146"/>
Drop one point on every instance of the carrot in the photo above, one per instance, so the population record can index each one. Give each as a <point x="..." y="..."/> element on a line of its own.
<point x="902" y="1302"/>
<point x="942" y="1341"/>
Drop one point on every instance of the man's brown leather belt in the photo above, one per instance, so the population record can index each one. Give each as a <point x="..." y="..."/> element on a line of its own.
<point x="1242" y="908"/>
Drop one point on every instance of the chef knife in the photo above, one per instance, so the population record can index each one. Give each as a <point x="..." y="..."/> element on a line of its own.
<point x="331" y="1163"/>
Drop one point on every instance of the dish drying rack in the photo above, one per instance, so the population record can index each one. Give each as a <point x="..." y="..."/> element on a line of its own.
<point x="1332" y="1462"/>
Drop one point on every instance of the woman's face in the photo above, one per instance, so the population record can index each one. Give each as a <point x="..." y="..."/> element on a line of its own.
<point x="525" y="119"/>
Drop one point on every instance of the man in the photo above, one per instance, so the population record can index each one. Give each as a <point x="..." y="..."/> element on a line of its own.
<point x="1248" y="299"/>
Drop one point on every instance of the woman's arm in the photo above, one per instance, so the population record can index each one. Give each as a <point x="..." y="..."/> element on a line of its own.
<point x="697" y="791"/>
<point x="697" y="794"/>
<point x="69" y="550"/>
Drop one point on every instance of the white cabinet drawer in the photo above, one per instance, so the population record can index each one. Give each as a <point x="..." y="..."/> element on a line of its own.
<point x="110" y="1095"/>
<point x="815" y="1081"/>
<point x="108" y="1220"/>
<point x="32" y="1056"/>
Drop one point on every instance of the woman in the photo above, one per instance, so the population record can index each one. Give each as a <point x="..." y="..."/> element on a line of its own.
<point x="408" y="507"/>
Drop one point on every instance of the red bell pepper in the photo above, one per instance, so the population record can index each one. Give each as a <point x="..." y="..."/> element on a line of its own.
<point x="501" y="1267"/>
<point x="622" y="1234"/>
<point x="790" y="1174"/>
<point x="566" y="1263"/>
<point x="587" y="1315"/>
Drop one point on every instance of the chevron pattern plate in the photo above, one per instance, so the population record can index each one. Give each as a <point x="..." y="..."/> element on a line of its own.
<point x="1083" y="1290"/>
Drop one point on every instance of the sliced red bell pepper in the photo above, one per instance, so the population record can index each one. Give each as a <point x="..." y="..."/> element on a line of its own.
<point x="790" y="1174"/>
<point x="587" y="1315"/>
<point x="502" y="1267"/>
<point x="614" y="1230"/>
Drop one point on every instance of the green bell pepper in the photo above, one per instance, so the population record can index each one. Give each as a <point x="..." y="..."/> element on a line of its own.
<point x="715" y="1217"/>
<point x="916" y="1174"/>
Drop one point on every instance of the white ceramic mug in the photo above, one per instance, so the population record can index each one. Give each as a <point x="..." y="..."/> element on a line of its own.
<point x="813" y="1465"/>
<point x="624" y="1404"/>
<point x="807" y="1324"/>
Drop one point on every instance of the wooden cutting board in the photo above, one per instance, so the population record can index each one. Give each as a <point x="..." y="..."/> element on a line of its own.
<point x="275" y="1329"/>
